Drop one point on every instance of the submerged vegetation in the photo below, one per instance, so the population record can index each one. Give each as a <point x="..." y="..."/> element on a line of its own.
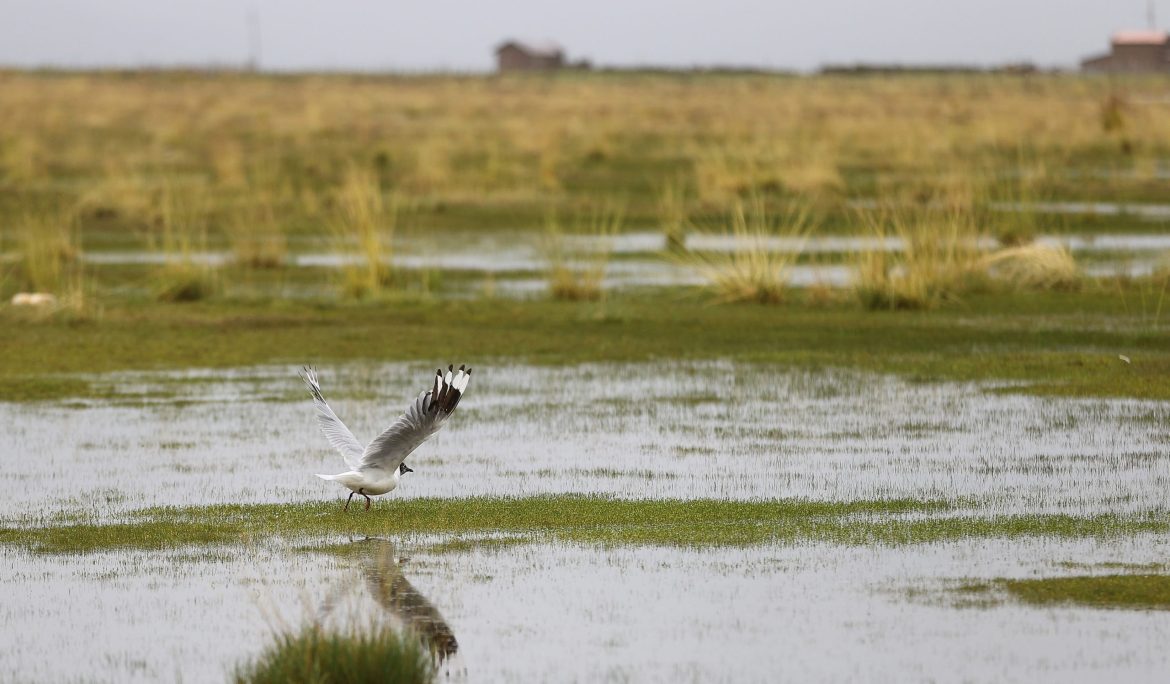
<point x="572" y="518"/>
<point x="1130" y="591"/>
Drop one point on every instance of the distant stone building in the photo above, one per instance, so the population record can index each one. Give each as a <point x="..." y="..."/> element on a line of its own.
<point x="514" y="55"/>
<point x="1133" y="52"/>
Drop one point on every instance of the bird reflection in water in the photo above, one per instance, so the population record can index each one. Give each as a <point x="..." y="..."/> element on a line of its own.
<point x="398" y="597"/>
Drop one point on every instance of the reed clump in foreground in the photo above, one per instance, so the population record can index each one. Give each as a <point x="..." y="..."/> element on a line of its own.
<point x="757" y="253"/>
<point x="317" y="655"/>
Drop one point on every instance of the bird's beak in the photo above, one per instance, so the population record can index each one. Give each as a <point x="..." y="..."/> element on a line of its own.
<point x="407" y="469"/>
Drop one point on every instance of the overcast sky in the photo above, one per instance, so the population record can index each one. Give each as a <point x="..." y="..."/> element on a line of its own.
<point x="460" y="34"/>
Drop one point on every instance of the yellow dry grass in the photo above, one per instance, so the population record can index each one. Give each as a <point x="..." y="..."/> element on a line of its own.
<point x="179" y="233"/>
<point x="926" y="255"/>
<point x="764" y="247"/>
<point x="363" y="227"/>
<point x="48" y="261"/>
<point x="1034" y="267"/>
<point x="476" y="138"/>
<point x="257" y="238"/>
<point x="577" y="262"/>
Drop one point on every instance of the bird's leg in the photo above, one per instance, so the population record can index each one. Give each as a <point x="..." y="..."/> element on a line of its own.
<point x="367" y="502"/>
<point x="348" y="500"/>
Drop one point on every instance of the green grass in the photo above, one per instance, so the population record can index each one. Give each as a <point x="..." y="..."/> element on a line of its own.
<point x="1064" y="344"/>
<point x="316" y="655"/>
<point x="566" y="519"/>
<point x="1138" y="592"/>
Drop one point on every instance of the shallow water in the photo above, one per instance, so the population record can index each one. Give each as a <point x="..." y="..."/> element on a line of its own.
<point x="658" y="430"/>
<point x="513" y="263"/>
<point x="569" y="613"/>
<point x="511" y="251"/>
<point x="542" y="611"/>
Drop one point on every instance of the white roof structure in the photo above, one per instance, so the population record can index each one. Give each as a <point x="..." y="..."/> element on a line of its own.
<point x="1140" y="37"/>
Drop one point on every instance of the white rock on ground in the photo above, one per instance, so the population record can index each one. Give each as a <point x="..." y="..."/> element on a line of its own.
<point x="33" y="299"/>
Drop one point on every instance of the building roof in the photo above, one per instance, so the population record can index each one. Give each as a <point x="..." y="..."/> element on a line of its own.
<point x="1140" y="38"/>
<point x="545" y="48"/>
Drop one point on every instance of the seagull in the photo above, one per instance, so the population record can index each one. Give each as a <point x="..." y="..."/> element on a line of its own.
<point x="375" y="469"/>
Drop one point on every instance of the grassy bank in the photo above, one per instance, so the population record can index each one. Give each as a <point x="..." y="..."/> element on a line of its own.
<point x="1065" y="344"/>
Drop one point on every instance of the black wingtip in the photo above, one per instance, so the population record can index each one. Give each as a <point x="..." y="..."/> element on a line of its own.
<point x="451" y="368"/>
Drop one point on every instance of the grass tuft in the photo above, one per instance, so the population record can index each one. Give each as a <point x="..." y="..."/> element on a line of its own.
<point x="49" y="263"/>
<point x="753" y="270"/>
<point x="257" y="240"/>
<point x="1034" y="267"/>
<point x="49" y="248"/>
<point x="316" y="655"/>
<point x="576" y="272"/>
<point x="182" y="232"/>
<point x="674" y="216"/>
<point x="938" y="259"/>
<point x="366" y="222"/>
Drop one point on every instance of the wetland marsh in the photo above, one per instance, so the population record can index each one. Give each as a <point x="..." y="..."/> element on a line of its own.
<point x="776" y="378"/>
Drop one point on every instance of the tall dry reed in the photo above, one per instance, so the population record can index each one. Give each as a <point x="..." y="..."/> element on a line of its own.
<point x="760" y="247"/>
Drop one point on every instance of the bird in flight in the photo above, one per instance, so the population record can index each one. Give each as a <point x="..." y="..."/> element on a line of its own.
<point x="375" y="469"/>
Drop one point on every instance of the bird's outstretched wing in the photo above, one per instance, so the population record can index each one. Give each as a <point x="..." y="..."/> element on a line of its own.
<point x="421" y="419"/>
<point x="335" y="430"/>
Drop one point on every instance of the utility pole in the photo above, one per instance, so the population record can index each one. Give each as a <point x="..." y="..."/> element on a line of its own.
<point x="253" y="40"/>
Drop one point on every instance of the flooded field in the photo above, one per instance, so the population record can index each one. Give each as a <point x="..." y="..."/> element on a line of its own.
<point x="548" y="610"/>
<point x="669" y="430"/>
<point x="776" y="378"/>
<point x="544" y="612"/>
<point x="513" y="263"/>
